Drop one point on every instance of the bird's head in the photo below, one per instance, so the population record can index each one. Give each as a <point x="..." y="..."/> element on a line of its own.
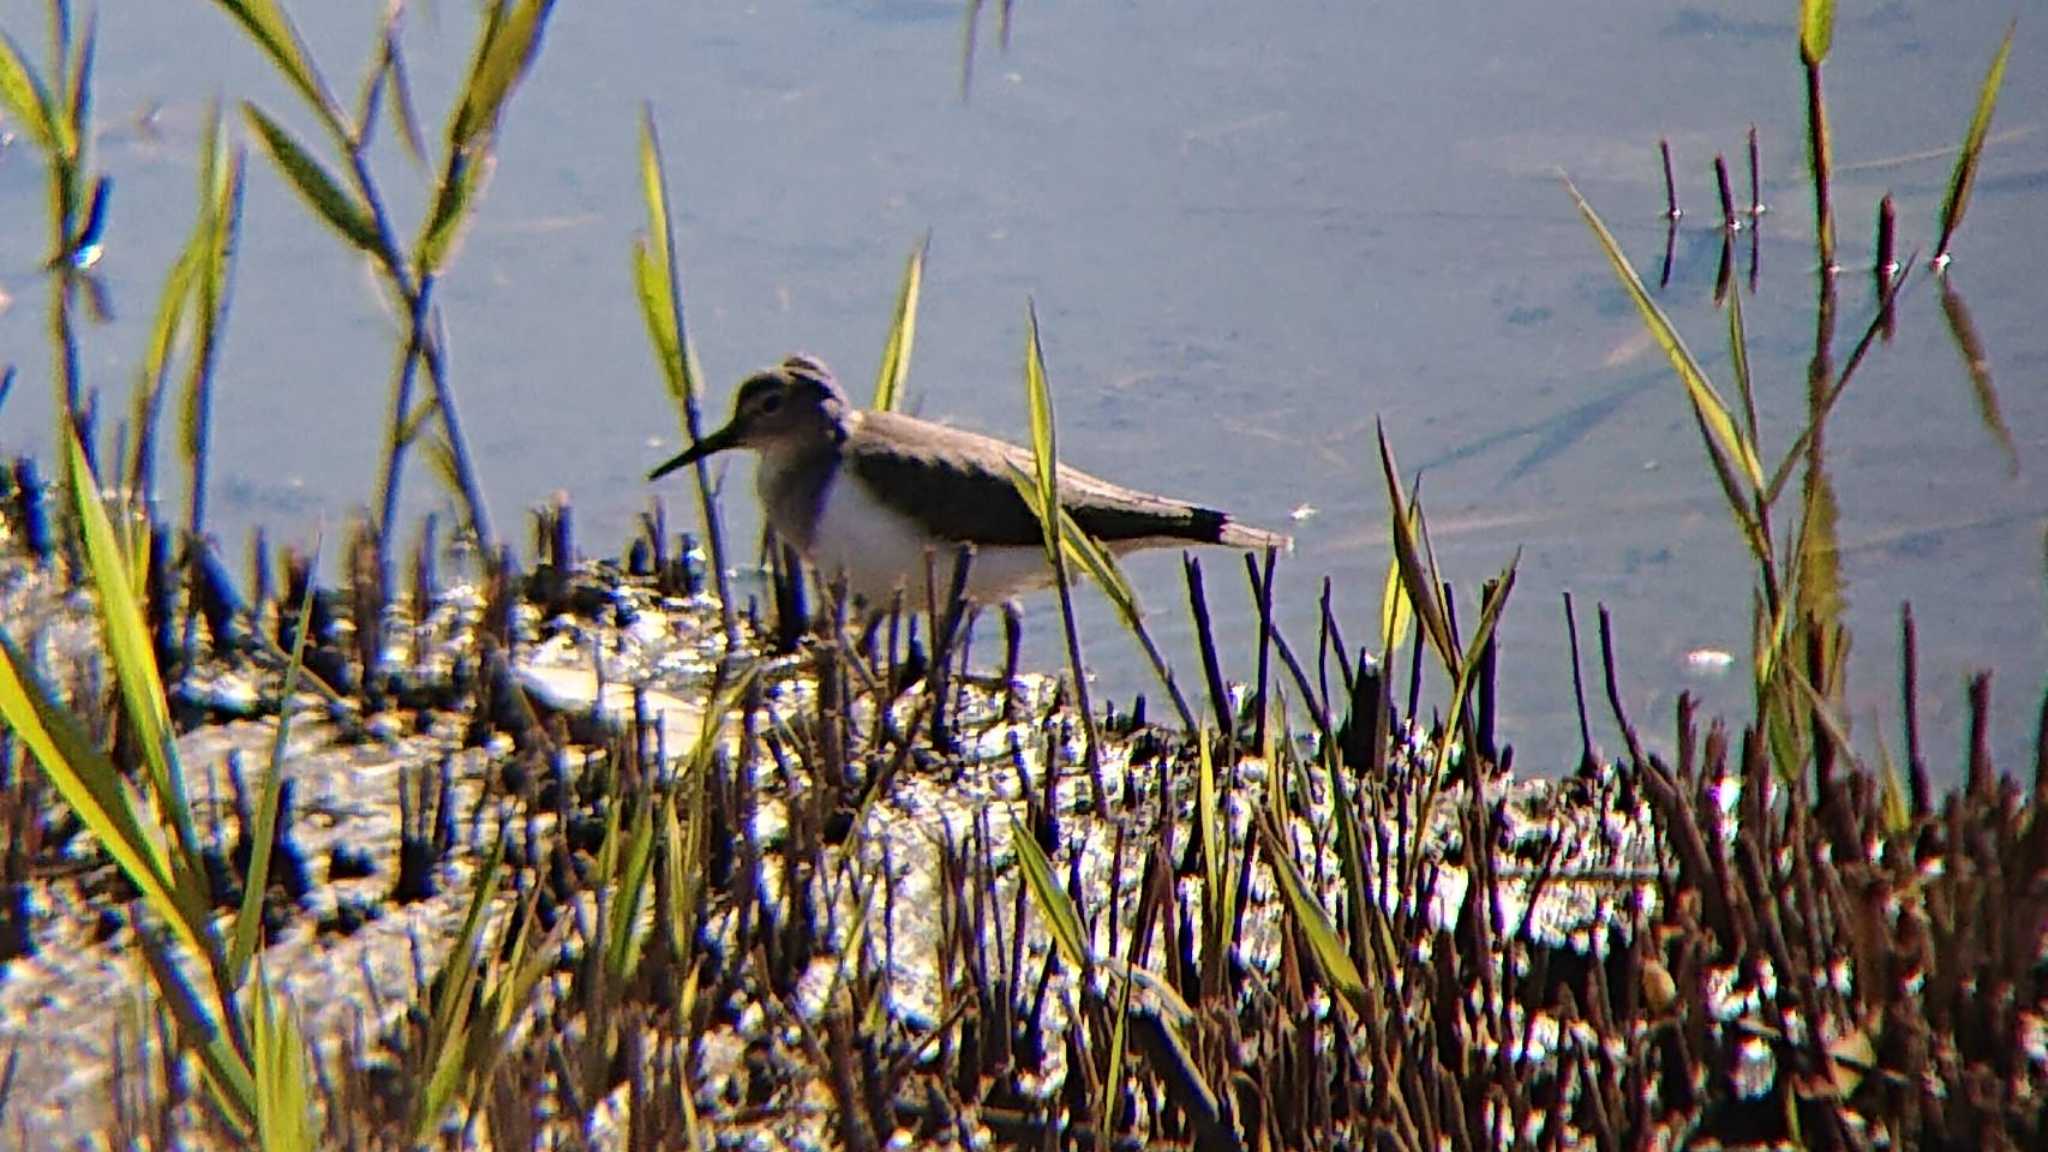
<point x="790" y="409"/>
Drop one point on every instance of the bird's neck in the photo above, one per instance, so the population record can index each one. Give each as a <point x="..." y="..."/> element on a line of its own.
<point x="792" y="483"/>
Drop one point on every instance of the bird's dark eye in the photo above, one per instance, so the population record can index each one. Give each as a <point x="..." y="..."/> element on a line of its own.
<point x="771" y="404"/>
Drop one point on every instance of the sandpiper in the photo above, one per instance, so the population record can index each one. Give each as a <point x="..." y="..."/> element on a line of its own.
<point x="868" y="496"/>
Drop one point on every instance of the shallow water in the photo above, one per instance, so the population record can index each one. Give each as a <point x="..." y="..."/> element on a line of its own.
<point x="1248" y="232"/>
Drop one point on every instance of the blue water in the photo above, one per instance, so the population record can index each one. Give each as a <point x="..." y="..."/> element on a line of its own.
<point x="1250" y="233"/>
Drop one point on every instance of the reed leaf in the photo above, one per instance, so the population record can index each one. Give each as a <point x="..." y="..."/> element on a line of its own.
<point x="126" y="636"/>
<point x="249" y="920"/>
<point x="1965" y="175"/>
<point x="1325" y="947"/>
<point x="1087" y="553"/>
<point x="448" y="1027"/>
<point x="1733" y="457"/>
<point x="1406" y="523"/>
<point x="453" y="198"/>
<point x="1738" y="365"/>
<point x="213" y="246"/>
<point x="91" y="787"/>
<point x="25" y="97"/>
<point x="510" y="41"/>
<point x="1816" y="31"/>
<point x="657" y="308"/>
<point x="1113" y="1078"/>
<point x="1726" y="439"/>
<point x="655" y="276"/>
<point x="404" y="111"/>
<point x="1044" y="445"/>
<point x="284" y="1080"/>
<point x="629" y="894"/>
<point x="79" y="111"/>
<point x="1061" y="920"/>
<point x="902" y="332"/>
<point x="164" y="332"/>
<point x="266" y="23"/>
<point x="350" y="217"/>
<point x="1397" y="612"/>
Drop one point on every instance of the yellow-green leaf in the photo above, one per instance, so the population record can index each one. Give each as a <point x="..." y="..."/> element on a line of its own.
<point x="1061" y="920"/>
<point x="267" y="24"/>
<point x="1724" y="438"/>
<point x="1405" y="521"/>
<point x="902" y="332"/>
<point x="284" y="1116"/>
<point x="24" y="96"/>
<point x="250" y="918"/>
<point x="1325" y="947"/>
<point x="1816" y="30"/>
<point x="650" y="284"/>
<point x="453" y="201"/>
<point x="1397" y="614"/>
<point x="126" y="636"/>
<point x="348" y="215"/>
<point x="1044" y="448"/>
<point x="510" y="41"/>
<point x="1965" y="176"/>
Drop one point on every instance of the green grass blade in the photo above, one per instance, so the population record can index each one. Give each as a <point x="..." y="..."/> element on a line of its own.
<point x="213" y="247"/>
<point x="284" y="1116"/>
<point x="100" y="797"/>
<point x="1087" y="553"/>
<point x="25" y="98"/>
<point x="1219" y="893"/>
<point x="1113" y="1079"/>
<point x="1423" y="595"/>
<point x="452" y="201"/>
<point x="1397" y="612"/>
<point x="449" y="1027"/>
<point x="902" y="332"/>
<point x="1489" y="618"/>
<point x="78" y="113"/>
<point x="1044" y="446"/>
<point x="1325" y="947"/>
<point x="347" y="215"/>
<point x="1816" y="30"/>
<point x="1965" y="176"/>
<point x="1818" y="585"/>
<point x="657" y="307"/>
<point x="654" y="272"/>
<point x="155" y="371"/>
<point x="1738" y="364"/>
<point x="228" y="1076"/>
<point x="1725" y="440"/>
<point x="511" y="40"/>
<point x="249" y="921"/>
<point x="126" y="636"/>
<point x="630" y="895"/>
<point x="267" y="24"/>
<point x="1061" y="920"/>
<point x="89" y="784"/>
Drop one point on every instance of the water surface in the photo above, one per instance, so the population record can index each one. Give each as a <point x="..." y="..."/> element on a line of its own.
<point x="1250" y="232"/>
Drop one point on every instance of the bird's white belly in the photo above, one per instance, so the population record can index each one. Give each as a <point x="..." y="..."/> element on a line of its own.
<point x="878" y="550"/>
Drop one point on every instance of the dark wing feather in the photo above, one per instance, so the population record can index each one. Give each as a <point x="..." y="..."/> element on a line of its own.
<point x="895" y="455"/>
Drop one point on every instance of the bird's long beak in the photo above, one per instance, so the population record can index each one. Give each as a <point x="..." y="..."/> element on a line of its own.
<point x="718" y="441"/>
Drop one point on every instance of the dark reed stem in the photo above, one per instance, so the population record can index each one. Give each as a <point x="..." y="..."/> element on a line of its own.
<point x="1671" y="209"/>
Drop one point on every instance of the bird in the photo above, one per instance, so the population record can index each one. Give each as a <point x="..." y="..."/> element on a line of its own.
<point x="872" y="498"/>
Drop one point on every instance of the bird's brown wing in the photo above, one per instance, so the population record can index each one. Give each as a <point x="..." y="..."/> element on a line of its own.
<point x="901" y="459"/>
